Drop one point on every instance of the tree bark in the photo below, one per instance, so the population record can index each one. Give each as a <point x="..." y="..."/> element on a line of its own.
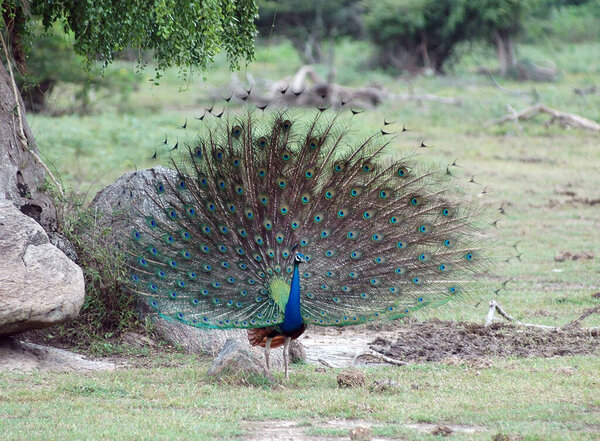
<point x="21" y="175"/>
<point x="506" y="52"/>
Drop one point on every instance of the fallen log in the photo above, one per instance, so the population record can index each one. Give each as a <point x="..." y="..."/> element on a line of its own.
<point x="566" y="120"/>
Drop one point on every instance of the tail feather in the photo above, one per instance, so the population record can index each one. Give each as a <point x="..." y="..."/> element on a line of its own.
<point x="382" y="237"/>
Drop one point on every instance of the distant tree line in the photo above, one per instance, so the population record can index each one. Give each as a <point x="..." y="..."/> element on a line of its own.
<point x="409" y="35"/>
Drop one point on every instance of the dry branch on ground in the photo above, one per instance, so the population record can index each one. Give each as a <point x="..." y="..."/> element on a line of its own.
<point x="566" y="120"/>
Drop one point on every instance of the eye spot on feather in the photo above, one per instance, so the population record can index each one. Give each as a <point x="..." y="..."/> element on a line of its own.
<point x="239" y="189"/>
<point x="236" y="131"/>
<point x="286" y="156"/>
<point x="401" y="245"/>
<point x="415" y="201"/>
<point x="363" y="295"/>
<point x="339" y="166"/>
<point x="400" y="271"/>
<point x="377" y="237"/>
<point x="286" y="125"/>
<point x="305" y="199"/>
<point x="284" y="210"/>
<point x="325" y="234"/>
<point x="295" y="224"/>
<point x="355" y="255"/>
<point x="367" y="167"/>
<point x="160" y="188"/>
<point x="262" y="142"/>
<point x="416" y="280"/>
<point x="402" y="172"/>
<point x="190" y="211"/>
<point x="262" y="172"/>
<point x="342" y="213"/>
<point x="310" y="295"/>
<point x="197" y="153"/>
<point x="469" y="256"/>
<point x="171" y="213"/>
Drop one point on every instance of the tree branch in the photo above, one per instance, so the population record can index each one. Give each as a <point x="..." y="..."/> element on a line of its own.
<point x="566" y="119"/>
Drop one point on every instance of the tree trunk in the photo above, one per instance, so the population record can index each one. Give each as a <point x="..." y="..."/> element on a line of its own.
<point x="21" y="175"/>
<point x="506" y="53"/>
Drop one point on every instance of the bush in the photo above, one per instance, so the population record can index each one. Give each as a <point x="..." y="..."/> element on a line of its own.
<point x="108" y="309"/>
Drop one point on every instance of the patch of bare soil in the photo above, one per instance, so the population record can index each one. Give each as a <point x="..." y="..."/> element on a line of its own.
<point x="437" y="340"/>
<point x="285" y="430"/>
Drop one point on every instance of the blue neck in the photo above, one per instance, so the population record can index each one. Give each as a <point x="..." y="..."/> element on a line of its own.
<point x="293" y="318"/>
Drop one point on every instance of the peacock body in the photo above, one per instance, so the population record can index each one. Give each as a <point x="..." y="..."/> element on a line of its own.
<point x="274" y="223"/>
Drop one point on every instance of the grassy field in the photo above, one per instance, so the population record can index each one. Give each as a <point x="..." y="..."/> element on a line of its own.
<point x="547" y="179"/>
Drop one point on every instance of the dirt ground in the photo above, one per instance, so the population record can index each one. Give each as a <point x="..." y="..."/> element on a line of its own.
<point x="438" y="340"/>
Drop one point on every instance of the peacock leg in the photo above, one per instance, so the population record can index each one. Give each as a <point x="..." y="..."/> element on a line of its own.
<point x="286" y="355"/>
<point x="267" y="350"/>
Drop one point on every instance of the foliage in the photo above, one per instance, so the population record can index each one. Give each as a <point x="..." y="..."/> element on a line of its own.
<point x="180" y="33"/>
<point x="52" y="60"/>
<point x="306" y="23"/>
<point x="415" y="34"/>
<point x="412" y="34"/>
<point x="555" y="20"/>
<point x="108" y="309"/>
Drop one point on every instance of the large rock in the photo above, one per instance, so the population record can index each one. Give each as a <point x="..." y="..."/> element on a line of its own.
<point x="236" y="360"/>
<point x="123" y="205"/>
<point x="39" y="285"/>
<point x="21" y="357"/>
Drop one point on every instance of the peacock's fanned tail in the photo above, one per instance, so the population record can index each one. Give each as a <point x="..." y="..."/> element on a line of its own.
<point x="382" y="237"/>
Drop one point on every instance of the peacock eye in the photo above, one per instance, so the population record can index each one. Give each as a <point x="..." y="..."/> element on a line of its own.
<point x="236" y="131"/>
<point x="262" y="142"/>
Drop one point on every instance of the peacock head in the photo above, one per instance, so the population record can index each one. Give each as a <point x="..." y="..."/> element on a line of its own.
<point x="299" y="258"/>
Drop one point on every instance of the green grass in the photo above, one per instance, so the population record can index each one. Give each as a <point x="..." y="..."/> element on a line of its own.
<point x="527" y="171"/>
<point x="181" y="403"/>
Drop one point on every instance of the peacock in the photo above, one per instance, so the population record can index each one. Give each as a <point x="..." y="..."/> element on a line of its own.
<point x="277" y="221"/>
